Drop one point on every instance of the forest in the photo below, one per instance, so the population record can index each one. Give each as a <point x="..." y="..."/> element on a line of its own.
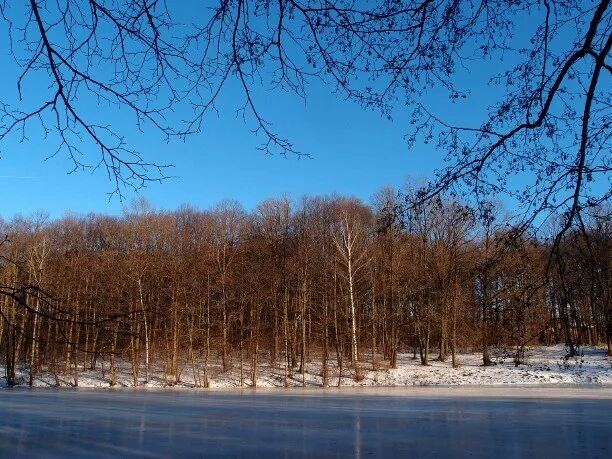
<point x="328" y="279"/>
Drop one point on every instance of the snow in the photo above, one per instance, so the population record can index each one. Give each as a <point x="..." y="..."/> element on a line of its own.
<point x="543" y="366"/>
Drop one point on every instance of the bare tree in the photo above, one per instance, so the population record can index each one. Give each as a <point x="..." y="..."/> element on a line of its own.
<point x="552" y="116"/>
<point x="351" y="239"/>
<point x="292" y="283"/>
<point x="229" y="219"/>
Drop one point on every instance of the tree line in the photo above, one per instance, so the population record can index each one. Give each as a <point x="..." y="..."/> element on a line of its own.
<point x="329" y="280"/>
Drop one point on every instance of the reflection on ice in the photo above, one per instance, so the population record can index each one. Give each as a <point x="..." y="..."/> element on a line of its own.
<point x="425" y="423"/>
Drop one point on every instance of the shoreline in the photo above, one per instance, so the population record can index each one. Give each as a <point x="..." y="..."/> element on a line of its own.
<point x="545" y="367"/>
<point x="589" y="390"/>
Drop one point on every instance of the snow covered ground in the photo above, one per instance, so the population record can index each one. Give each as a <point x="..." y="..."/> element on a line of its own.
<point x="543" y="366"/>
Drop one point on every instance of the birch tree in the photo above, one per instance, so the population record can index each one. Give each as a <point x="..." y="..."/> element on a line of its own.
<point x="350" y="238"/>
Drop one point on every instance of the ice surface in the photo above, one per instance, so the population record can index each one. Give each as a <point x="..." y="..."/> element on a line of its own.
<point x="401" y="422"/>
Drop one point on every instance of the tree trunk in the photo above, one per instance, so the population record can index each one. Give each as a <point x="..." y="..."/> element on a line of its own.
<point x="146" y="330"/>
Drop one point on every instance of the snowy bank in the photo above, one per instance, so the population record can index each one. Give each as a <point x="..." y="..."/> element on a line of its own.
<point x="543" y="366"/>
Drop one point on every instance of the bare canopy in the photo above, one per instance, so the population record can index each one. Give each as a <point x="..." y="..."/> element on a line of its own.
<point x="550" y="120"/>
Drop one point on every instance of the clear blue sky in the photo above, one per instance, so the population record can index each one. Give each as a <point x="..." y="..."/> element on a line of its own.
<point x="353" y="152"/>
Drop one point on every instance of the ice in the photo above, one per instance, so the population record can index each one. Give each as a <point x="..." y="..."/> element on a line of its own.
<point x="350" y="422"/>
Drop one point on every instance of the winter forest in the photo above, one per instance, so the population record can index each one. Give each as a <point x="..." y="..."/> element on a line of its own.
<point x="329" y="281"/>
<point x="305" y="228"/>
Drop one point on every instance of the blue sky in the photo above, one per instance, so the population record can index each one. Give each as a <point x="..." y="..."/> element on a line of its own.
<point x="353" y="152"/>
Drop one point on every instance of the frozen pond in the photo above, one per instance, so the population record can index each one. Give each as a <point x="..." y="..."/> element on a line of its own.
<point x="386" y="423"/>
